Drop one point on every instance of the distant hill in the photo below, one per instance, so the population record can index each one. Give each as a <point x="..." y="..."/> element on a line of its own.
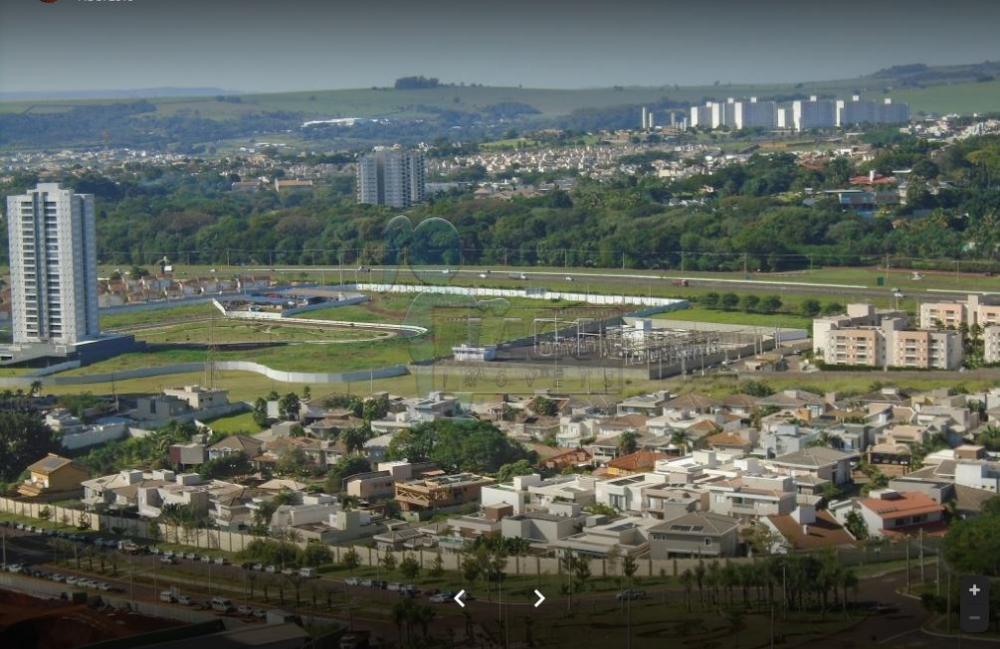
<point x="198" y="119"/>
<point x="917" y="74"/>
<point x="130" y="93"/>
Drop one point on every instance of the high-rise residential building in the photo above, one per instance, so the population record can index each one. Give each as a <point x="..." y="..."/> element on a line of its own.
<point x="53" y="266"/>
<point x="862" y="111"/>
<point x="392" y="177"/>
<point x="815" y="113"/>
<point x="755" y="114"/>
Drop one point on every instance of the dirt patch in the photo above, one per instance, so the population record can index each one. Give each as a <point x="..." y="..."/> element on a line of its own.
<point x="27" y="621"/>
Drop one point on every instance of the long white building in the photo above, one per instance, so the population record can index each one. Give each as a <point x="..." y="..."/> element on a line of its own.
<point x="53" y="266"/>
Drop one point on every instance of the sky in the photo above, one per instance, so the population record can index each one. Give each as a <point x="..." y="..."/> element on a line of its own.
<point x="277" y="45"/>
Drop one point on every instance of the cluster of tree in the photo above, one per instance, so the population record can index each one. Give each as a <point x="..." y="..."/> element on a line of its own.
<point x="151" y="451"/>
<point x="225" y="466"/>
<point x="24" y="437"/>
<point x="475" y="446"/>
<point x="416" y="83"/>
<point x="285" y="554"/>
<point x="755" y="219"/>
<point x="798" y="582"/>
<point x="972" y="545"/>
<point x="749" y="302"/>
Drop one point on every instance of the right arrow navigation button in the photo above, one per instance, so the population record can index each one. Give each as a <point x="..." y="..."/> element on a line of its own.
<point x="541" y="598"/>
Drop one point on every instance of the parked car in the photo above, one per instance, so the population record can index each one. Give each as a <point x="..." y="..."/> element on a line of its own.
<point x="308" y="573"/>
<point x="260" y="613"/>
<point x="288" y="572"/>
<point x="169" y="561"/>
<point x="271" y="569"/>
<point x="184" y="600"/>
<point x="442" y="597"/>
<point x="394" y="586"/>
<point x="352" y="581"/>
<point x="222" y="605"/>
<point x="167" y="596"/>
<point x="630" y="594"/>
<point x="259" y="567"/>
<point x="244" y="610"/>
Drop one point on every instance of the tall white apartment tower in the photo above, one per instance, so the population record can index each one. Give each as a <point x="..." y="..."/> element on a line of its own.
<point x="53" y="266"/>
<point x="392" y="177"/>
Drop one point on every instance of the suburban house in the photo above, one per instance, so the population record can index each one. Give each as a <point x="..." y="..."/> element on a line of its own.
<point x="698" y="534"/>
<point x="53" y="477"/>
<point x="889" y="513"/>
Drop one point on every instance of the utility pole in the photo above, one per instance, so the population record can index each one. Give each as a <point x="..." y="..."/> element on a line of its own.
<point x="907" y="563"/>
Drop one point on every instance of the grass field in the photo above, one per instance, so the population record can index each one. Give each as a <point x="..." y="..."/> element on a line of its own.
<point x="738" y="318"/>
<point x="222" y="331"/>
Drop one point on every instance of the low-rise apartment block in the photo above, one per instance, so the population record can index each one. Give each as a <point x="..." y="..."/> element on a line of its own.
<point x="991" y="344"/>
<point x="975" y="310"/>
<point x="864" y="337"/>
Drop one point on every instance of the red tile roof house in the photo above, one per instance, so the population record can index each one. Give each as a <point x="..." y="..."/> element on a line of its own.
<point x="889" y="513"/>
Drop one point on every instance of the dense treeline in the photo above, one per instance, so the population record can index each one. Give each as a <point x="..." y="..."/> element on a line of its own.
<point x="752" y="215"/>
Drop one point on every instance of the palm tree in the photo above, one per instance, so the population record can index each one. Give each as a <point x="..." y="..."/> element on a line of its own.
<point x="687" y="581"/>
<point x="699" y="577"/>
<point x="679" y="439"/>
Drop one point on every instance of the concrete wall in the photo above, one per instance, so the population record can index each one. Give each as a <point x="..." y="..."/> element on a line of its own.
<point x="234" y="366"/>
<point x="543" y="294"/>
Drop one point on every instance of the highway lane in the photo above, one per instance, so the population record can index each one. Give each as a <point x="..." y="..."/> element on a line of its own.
<point x="580" y="278"/>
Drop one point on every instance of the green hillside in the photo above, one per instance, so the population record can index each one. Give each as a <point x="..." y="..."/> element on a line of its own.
<point x="962" y="97"/>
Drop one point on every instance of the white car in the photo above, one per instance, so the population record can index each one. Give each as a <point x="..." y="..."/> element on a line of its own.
<point x="167" y="596"/>
<point x="352" y="581"/>
<point x="184" y="600"/>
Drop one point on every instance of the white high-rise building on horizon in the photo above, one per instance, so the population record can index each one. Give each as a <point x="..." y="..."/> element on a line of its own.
<point x="53" y="266"/>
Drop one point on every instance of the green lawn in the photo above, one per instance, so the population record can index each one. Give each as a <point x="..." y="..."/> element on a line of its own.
<point x="242" y="423"/>
<point x="182" y="313"/>
<point x="787" y="320"/>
